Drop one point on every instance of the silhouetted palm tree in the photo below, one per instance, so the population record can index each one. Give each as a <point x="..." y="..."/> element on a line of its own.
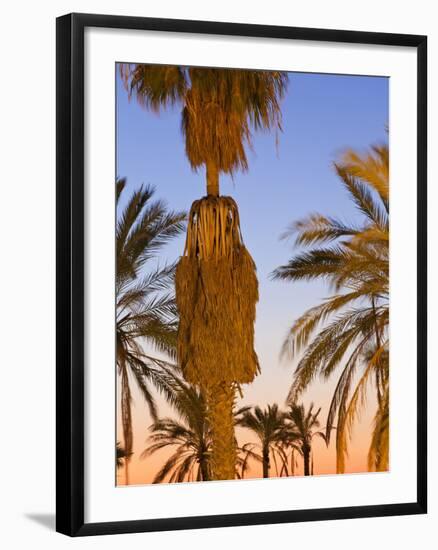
<point x="146" y="311"/>
<point x="268" y="425"/>
<point x="120" y="455"/>
<point x="343" y="329"/>
<point x="302" y="429"/>
<point x="190" y="437"/>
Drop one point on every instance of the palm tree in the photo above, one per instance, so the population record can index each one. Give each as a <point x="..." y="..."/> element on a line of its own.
<point x="301" y="430"/>
<point x="190" y="437"/>
<point x="268" y="425"/>
<point x="351" y="325"/>
<point x="146" y="312"/>
<point x="216" y="284"/>
<point x="120" y="455"/>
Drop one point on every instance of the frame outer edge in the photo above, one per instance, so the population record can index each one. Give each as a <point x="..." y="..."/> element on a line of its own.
<point x="70" y="479"/>
<point x="69" y="277"/>
<point x="422" y="275"/>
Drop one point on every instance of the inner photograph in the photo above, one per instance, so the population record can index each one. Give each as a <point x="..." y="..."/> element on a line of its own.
<point x="252" y="274"/>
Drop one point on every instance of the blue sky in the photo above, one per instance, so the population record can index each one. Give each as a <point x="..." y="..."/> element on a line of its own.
<point x="322" y="115"/>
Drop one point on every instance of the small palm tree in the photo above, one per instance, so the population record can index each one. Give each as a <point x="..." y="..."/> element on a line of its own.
<point x="301" y="430"/>
<point x="354" y="260"/>
<point x="146" y="312"/>
<point x="120" y="455"/>
<point x="190" y="438"/>
<point x="268" y="425"/>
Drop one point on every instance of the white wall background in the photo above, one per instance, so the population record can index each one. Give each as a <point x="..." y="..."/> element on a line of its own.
<point x="27" y="315"/>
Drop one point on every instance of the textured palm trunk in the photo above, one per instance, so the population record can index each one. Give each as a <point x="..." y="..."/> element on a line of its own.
<point x="220" y="402"/>
<point x="266" y="463"/>
<point x="212" y="179"/>
<point x="126" y="471"/>
<point x="204" y="470"/>
<point x="126" y="420"/>
<point x="306" y="458"/>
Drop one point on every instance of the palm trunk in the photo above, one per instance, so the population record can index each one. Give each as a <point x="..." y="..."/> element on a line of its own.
<point x="378" y="344"/>
<point x="212" y="178"/>
<point x="126" y="471"/>
<point x="126" y="420"/>
<point x="306" y="458"/>
<point x="292" y="462"/>
<point x="203" y="465"/>
<point x="220" y="402"/>
<point x="266" y="464"/>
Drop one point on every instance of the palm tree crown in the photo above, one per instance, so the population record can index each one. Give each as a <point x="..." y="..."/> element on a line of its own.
<point x="301" y="430"/>
<point x="220" y="107"/>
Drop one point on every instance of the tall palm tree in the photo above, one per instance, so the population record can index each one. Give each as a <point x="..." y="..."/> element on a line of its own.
<point x="145" y="308"/>
<point x="302" y="429"/>
<point x="268" y="425"/>
<point x="190" y="437"/>
<point x="350" y="327"/>
<point x="216" y="285"/>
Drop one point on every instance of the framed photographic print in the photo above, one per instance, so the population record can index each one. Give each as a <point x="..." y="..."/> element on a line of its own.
<point x="241" y="274"/>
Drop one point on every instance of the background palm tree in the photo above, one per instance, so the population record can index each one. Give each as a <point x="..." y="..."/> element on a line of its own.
<point x="268" y="425"/>
<point x="301" y="430"/>
<point x="216" y="301"/>
<point x="353" y="259"/>
<point x="190" y="437"/>
<point x="120" y="455"/>
<point x="146" y="311"/>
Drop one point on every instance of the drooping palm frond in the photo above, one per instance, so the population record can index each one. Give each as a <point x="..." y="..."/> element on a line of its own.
<point x="190" y="437"/>
<point x="219" y="107"/>
<point x="378" y="454"/>
<point x="155" y="86"/>
<point x="338" y="334"/>
<point x="145" y="305"/>
<point x="245" y="453"/>
<point x="372" y="168"/>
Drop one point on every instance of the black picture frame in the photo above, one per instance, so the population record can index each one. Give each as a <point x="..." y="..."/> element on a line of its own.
<point x="70" y="273"/>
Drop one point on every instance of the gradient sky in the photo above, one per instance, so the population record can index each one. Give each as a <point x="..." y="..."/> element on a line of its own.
<point x="322" y="115"/>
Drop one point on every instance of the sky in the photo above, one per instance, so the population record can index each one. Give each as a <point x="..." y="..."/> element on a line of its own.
<point x="322" y="116"/>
